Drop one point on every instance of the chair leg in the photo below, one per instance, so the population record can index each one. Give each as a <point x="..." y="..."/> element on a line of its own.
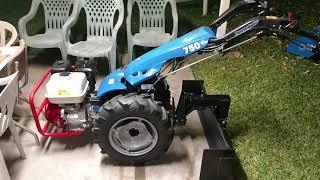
<point x="20" y="97"/>
<point x="28" y="130"/>
<point x="112" y="60"/>
<point x="64" y="54"/>
<point x="4" y="174"/>
<point x="17" y="139"/>
<point x="130" y="52"/>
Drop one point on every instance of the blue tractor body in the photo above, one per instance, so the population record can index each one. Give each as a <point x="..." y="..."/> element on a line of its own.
<point x="149" y="65"/>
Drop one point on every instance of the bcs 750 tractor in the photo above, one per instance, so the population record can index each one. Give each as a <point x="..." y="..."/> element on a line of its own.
<point x="132" y="115"/>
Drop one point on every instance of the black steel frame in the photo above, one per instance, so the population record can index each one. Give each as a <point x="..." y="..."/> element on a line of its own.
<point x="218" y="160"/>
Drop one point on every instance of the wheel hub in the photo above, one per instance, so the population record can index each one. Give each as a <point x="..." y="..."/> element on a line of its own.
<point x="133" y="136"/>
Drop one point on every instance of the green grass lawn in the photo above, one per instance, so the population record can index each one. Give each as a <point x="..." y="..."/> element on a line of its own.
<point x="275" y="112"/>
<point x="274" y="117"/>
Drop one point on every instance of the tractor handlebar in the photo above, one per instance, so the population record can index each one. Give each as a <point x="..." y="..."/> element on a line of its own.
<point x="261" y="7"/>
<point x="261" y="25"/>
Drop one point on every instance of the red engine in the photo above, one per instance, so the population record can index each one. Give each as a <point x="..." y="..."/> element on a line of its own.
<point x="54" y="115"/>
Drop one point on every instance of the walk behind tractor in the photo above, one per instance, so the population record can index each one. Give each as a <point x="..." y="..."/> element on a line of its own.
<point x="132" y="115"/>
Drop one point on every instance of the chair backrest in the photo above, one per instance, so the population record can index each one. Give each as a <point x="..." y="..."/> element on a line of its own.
<point x="100" y="16"/>
<point x="8" y="97"/>
<point x="152" y="14"/>
<point x="4" y="28"/>
<point x="56" y="12"/>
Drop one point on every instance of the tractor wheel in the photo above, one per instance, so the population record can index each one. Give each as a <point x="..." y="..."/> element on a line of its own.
<point x="133" y="129"/>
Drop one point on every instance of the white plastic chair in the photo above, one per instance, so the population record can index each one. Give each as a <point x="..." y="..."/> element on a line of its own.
<point x="101" y="32"/>
<point x="56" y="14"/>
<point x="14" y="52"/>
<point x="8" y="97"/>
<point x="8" y="35"/>
<point x="152" y="24"/>
<point x="5" y="29"/>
